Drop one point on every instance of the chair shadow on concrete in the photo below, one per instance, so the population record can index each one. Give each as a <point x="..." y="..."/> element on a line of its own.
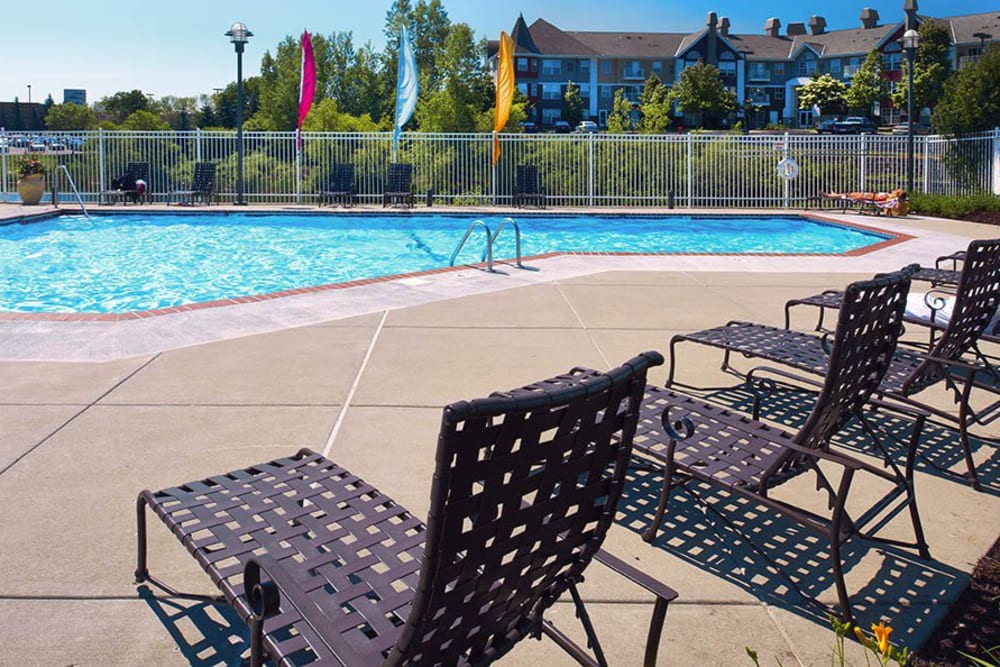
<point x="940" y="453"/>
<point x="205" y="632"/>
<point x="786" y="566"/>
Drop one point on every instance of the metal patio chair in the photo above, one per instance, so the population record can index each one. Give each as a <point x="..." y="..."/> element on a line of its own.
<point x="399" y="185"/>
<point x="127" y="188"/>
<point x="695" y="441"/>
<point x="202" y="185"/>
<point x="322" y="566"/>
<point x="954" y="358"/>
<point x="527" y="186"/>
<point x="340" y="188"/>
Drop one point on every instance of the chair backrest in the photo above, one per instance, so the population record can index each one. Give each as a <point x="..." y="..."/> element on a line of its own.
<point x="526" y="179"/>
<point x="400" y="177"/>
<point x="869" y="324"/>
<point x="342" y="177"/>
<point x="204" y="177"/>
<point x="137" y="171"/>
<point x="524" y="490"/>
<point x="976" y="300"/>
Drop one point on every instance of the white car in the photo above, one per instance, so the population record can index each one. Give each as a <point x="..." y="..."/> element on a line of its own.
<point x="586" y="127"/>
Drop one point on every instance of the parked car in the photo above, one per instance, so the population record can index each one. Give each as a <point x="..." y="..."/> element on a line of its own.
<point x="528" y="127"/>
<point x="826" y="126"/>
<point x="36" y="145"/>
<point x="561" y="127"/>
<point x="586" y="127"/>
<point x="904" y="128"/>
<point x="855" y="125"/>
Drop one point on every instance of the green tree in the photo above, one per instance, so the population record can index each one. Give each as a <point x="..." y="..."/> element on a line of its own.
<point x="572" y="110"/>
<point x="699" y="91"/>
<point x="327" y="117"/>
<point x="868" y="86"/>
<point x="225" y="102"/>
<point x="971" y="100"/>
<point x="430" y="30"/>
<point x="654" y="105"/>
<point x="824" y="92"/>
<point x="144" y="120"/>
<point x="70" y="116"/>
<point x="280" y="82"/>
<point x="180" y="113"/>
<point x="116" y="108"/>
<point x="930" y="71"/>
<point x="620" y="117"/>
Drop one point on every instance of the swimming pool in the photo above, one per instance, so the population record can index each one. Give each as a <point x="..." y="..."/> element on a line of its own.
<point x="149" y="261"/>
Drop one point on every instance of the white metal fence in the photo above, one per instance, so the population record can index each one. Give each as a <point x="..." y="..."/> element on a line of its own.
<point x="692" y="170"/>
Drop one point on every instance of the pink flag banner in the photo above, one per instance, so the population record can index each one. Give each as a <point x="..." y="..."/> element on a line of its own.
<point x="307" y="87"/>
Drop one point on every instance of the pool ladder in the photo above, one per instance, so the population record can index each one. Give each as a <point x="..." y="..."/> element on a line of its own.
<point x="491" y="238"/>
<point x="55" y="189"/>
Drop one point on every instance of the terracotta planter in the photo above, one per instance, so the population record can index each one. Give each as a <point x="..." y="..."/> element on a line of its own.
<point x="31" y="188"/>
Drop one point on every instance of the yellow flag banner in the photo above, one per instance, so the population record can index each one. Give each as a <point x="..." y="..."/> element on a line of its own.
<point x="505" y="90"/>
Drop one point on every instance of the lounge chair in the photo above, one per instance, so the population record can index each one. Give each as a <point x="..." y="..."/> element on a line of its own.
<point x="954" y="358"/>
<point x="202" y="185"/>
<point x="880" y="203"/>
<point x="527" y="189"/>
<point x="524" y="492"/>
<point x="340" y="188"/>
<point x="399" y="185"/>
<point x="127" y="187"/>
<point x="695" y="441"/>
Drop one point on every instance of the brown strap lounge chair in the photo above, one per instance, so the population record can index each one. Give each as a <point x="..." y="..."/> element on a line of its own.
<point x="202" y="185"/>
<point x="696" y="441"/>
<point x="892" y="204"/>
<point x="127" y="187"/>
<point x="399" y="185"/>
<point x="323" y="566"/>
<point x="954" y="359"/>
<point x="340" y="189"/>
<point x="527" y="187"/>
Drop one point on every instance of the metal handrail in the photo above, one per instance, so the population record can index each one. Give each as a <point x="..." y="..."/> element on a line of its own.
<point x="489" y="244"/>
<point x="55" y="189"/>
<point x="517" y="237"/>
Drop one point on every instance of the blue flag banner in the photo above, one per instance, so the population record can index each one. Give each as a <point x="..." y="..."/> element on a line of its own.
<point x="406" y="88"/>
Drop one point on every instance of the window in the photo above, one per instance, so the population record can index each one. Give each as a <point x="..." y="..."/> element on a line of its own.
<point x="550" y="116"/>
<point x="758" y="72"/>
<point x="692" y="58"/>
<point x="522" y="64"/>
<point x="727" y="64"/>
<point x="605" y="67"/>
<point x="607" y="92"/>
<point x="633" y="70"/>
<point x="551" y="91"/>
<point x="778" y="94"/>
<point x="570" y="65"/>
<point x="534" y="64"/>
<point x="835" y="67"/>
<point x="892" y="62"/>
<point x="551" y="67"/>
<point x="657" y="67"/>
<point x="584" y="90"/>
<point x="807" y="66"/>
<point x="779" y="69"/>
<point x="584" y="67"/>
<point x="523" y="87"/>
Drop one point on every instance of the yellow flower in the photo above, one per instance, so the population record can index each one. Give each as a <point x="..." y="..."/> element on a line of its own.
<point x="882" y="632"/>
<point x="860" y="634"/>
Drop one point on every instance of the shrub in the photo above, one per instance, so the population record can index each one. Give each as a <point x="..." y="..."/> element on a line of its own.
<point x="952" y="206"/>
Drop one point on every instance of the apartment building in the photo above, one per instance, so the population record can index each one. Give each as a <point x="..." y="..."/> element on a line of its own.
<point x="765" y="67"/>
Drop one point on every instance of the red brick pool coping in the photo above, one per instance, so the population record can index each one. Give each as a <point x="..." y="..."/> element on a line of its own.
<point x="895" y="238"/>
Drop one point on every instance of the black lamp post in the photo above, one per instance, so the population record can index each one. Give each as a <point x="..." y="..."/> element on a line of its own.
<point x="239" y="36"/>
<point x="983" y="36"/>
<point x="911" y="40"/>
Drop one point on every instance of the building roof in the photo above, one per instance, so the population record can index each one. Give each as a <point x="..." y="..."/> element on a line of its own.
<point x="550" y="40"/>
<point x="964" y="27"/>
<point x="630" y="44"/>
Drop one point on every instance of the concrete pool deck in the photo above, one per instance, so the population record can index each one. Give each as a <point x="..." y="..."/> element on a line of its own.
<point x="94" y="412"/>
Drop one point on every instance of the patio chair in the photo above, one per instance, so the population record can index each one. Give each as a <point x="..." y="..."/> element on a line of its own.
<point x="340" y="188"/>
<point x="127" y="187"/>
<point x="202" y="185"/>
<point x="695" y="441"/>
<point x="399" y="185"/>
<point x="954" y="358"/>
<point x="527" y="188"/>
<point x="524" y="492"/>
<point x="880" y="203"/>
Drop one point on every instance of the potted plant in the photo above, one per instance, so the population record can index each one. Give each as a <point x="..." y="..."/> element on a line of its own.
<point x="31" y="184"/>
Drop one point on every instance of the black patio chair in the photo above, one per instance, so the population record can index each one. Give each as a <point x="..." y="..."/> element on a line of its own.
<point x="127" y="188"/>
<point x="527" y="187"/>
<point x="399" y="185"/>
<point x="695" y="441"/>
<point x="954" y="358"/>
<point x="202" y="185"/>
<point x="340" y="188"/>
<point x="524" y="492"/>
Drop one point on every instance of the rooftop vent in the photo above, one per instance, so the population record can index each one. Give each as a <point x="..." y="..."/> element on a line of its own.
<point x="796" y="29"/>
<point x="869" y="18"/>
<point x="772" y="27"/>
<point x="817" y="25"/>
<point x="723" y="26"/>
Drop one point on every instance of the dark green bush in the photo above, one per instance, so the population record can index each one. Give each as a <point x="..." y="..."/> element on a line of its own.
<point x="951" y="206"/>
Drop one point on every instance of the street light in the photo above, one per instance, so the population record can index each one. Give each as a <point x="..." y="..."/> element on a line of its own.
<point x="239" y="36"/>
<point x="911" y="40"/>
<point x="29" y="93"/>
<point x="983" y="36"/>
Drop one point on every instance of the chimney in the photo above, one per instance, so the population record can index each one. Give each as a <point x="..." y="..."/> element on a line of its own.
<point x="795" y="29"/>
<point x="869" y="18"/>
<point x="772" y="27"/>
<point x="817" y="25"/>
<point x="711" y="21"/>
<point x="712" y="57"/>
<point x="723" y="26"/>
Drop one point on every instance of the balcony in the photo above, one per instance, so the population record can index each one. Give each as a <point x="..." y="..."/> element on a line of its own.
<point x="634" y="74"/>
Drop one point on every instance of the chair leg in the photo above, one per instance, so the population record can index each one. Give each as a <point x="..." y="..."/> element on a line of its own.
<point x="588" y="627"/>
<point x="141" y="569"/>
<point x="649" y="535"/>
<point x="963" y="434"/>
<point x="835" y="540"/>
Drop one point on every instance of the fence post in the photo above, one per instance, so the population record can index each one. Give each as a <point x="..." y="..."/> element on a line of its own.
<point x="298" y="170"/>
<point x="197" y="144"/>
<point x="5" y="145"/>
<point x="996" y="160"/>
<point x="690" y="170"/>
<point x="863" y="156"/>
<point x="100" y="163"/>
<point x="590" y="169"/>
<point x="785" y="153"/>
<point x="925" y="142"/>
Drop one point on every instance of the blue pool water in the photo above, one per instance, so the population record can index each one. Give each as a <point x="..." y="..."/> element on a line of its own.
<point x="129" y="262"/>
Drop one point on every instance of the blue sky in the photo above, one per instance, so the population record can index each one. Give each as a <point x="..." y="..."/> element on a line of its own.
<point x="179" y="48"/>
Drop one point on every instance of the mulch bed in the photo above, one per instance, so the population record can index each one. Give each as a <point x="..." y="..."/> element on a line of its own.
<point x="987" y="217"/>
<point x="972" y="625"/>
